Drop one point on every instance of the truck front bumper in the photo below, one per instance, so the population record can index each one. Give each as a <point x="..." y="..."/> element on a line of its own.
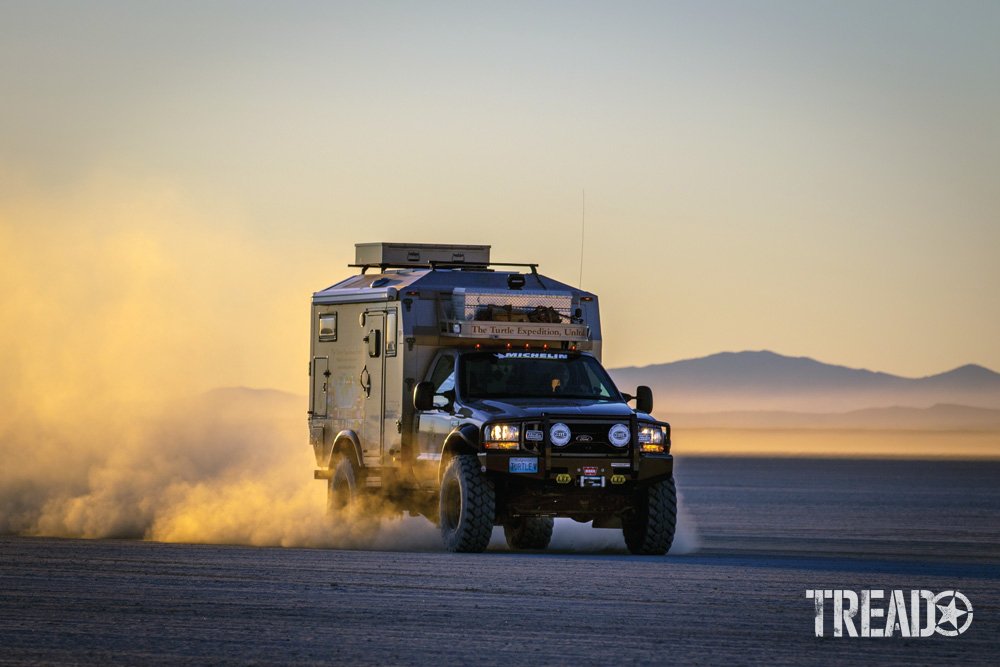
<point x="579" y="471"/>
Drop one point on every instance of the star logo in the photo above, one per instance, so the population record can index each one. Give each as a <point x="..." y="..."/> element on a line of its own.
<point x="951" y="614"/>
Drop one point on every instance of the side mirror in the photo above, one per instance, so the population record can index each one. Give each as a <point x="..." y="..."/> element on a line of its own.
<point x="644" y="399"/>
<point x="423" y="396"/>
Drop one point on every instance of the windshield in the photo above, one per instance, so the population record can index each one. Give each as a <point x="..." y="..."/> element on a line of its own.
<point x="534" y="375"/>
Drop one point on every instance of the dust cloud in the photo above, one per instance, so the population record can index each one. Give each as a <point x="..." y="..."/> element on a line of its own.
<point x="228" y="467"/>
<point x="121" y="305"/>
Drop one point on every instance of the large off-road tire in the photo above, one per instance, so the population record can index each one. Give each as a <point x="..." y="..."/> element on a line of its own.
<point x="347" y="504"/>
<point x="528" y="532"/>
<point x="467" y="506"/>
<point x="342" y="487"/>
<point x="649" y="529"/>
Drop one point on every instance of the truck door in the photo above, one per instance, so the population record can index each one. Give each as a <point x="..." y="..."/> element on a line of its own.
<point x="371" y="378"/>
<point x="433" y="426"/>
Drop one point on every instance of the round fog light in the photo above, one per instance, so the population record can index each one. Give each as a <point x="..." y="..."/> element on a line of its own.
<point x="619" y="435"/>
<point x="559" y="434"/>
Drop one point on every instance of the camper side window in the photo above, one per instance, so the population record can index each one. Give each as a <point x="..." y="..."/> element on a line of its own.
<point x="328" y="326"/>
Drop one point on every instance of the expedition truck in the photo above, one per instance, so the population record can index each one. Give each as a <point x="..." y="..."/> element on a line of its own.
<point x="471" y="392"/>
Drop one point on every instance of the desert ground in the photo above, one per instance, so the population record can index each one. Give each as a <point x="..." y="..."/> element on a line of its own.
<point x="756" y="534"/>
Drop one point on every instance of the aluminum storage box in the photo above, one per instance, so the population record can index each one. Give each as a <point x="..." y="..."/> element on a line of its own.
<point x="402" y="254"/>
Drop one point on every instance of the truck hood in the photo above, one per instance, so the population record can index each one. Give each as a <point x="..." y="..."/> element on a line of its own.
<point x="532" y="408"/>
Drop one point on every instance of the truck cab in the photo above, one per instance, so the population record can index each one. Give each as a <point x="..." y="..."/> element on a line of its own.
<point x="472" y="393"/>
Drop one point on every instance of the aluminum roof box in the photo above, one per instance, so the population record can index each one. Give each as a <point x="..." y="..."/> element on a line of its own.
<point x="419" y="254"/>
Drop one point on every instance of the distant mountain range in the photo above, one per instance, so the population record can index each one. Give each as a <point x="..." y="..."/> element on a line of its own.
<point x="765" y="381"/>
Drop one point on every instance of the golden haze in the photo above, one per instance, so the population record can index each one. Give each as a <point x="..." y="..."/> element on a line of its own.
<point x="120" y="307"/>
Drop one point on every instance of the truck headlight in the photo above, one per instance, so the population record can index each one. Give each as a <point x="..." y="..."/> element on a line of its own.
<point x="502" y="436"/>
<point x="652" y="439"/>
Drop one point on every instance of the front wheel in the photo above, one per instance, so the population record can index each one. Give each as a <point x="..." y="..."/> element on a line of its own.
<point x="467" y="506"/>
<point x="649" y="528"/>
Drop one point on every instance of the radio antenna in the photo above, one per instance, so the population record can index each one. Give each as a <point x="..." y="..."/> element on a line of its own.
<point x="583" y="229"/>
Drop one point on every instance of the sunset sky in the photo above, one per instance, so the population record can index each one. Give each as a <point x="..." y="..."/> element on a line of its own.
<point x="176" y="178"/>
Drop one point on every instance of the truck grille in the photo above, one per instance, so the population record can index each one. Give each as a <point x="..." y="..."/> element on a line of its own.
<point x="580" y="431"/>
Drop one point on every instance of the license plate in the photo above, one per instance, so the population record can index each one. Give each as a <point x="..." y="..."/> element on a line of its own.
<point x="588" y="481"/>
<point x="523" y="464"/>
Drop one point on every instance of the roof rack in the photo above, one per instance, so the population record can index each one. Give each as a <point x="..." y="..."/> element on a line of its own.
<point x="433" y="265"/>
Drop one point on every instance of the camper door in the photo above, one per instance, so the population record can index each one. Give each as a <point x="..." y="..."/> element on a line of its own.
<point x="382" y="368"/>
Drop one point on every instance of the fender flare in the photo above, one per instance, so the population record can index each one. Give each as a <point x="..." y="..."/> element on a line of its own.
<point x="462" y="440"/>
<point x="347" y="440"/>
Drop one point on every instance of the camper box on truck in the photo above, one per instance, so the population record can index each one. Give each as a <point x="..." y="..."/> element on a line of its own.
<point x="471" y="392"/>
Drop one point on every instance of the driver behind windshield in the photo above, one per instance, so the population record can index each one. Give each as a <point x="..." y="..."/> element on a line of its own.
<point x="561" y="383"/>
<point x="515" y="375"/>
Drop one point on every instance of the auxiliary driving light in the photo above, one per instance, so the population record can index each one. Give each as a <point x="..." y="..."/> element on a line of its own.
<point x="618" y="479"/>
<point x="559" y="434"/>
<point x="619" y="435"/>
<point x="563" y="478"/>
